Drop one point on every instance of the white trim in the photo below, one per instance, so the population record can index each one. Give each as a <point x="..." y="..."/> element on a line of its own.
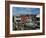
<point x="25" y="31"/>
<point x="28" y="6"/>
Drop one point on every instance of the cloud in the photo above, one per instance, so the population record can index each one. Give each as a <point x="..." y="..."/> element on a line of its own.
<point x="21" y="10"/>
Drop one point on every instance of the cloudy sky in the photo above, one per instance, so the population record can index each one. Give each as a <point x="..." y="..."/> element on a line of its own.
<point x="22" y="10"/>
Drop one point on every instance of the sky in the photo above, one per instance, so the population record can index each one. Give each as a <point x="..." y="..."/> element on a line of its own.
<point x="22" y="10"/>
